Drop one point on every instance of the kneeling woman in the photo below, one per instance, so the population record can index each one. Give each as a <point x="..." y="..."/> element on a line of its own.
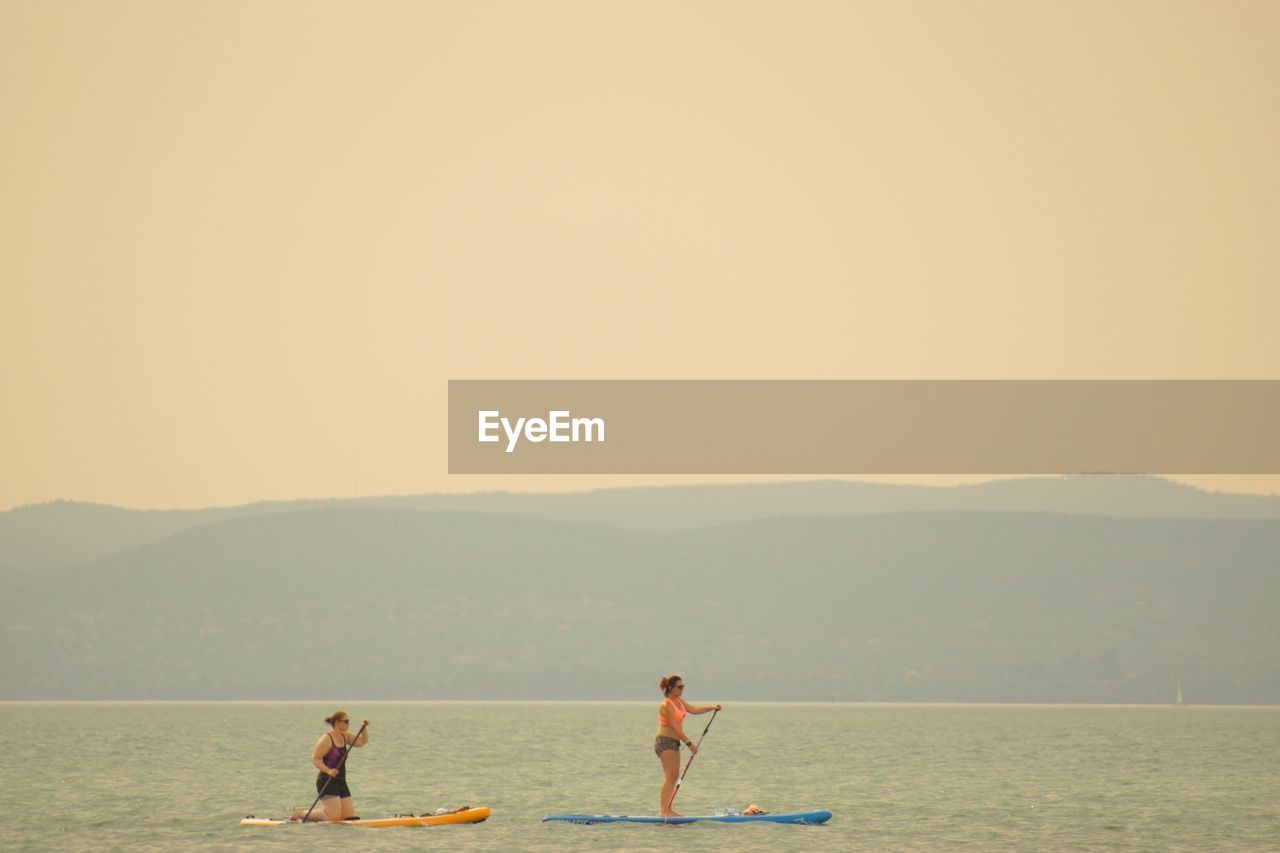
<point x="671" y="734"/>
<point x="331" y="783"/>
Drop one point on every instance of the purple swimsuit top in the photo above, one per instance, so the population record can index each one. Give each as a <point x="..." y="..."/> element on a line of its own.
<point x="333" y="756"/>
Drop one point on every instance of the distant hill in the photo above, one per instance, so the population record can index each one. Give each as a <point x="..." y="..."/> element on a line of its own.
<point x="400" y="603"/>
<point x="63" y="533"/>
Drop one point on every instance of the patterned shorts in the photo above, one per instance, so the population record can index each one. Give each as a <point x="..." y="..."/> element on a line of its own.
<point x="662" y="744"/>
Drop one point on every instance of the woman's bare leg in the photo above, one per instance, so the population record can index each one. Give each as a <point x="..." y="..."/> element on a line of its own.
<point x="323" y="810"/>
<point x="670" y="772"/>
<point x="348" y="808"/>
<point x="332" y="808"/>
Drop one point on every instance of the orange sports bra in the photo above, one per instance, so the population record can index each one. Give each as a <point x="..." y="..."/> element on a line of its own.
<point x="680" y="714"/>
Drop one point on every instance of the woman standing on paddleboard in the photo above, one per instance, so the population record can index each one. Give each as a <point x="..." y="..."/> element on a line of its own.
<point x="331" y="783"/>
<point x="671" y="734"/>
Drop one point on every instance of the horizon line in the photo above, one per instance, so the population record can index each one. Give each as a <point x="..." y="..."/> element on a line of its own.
<point x="797" y="702"/>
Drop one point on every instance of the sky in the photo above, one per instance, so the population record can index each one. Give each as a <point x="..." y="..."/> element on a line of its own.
<point x="244" y="246"/>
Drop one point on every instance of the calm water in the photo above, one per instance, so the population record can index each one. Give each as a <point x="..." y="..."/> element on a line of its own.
<point x="166" y="776"/>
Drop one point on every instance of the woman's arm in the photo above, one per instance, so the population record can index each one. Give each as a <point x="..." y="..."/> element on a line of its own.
<point x="363" y="737"/>
<point x="699" y="709"/>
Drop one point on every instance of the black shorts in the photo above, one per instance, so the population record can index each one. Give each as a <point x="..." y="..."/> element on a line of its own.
<point x="337" y="787"/>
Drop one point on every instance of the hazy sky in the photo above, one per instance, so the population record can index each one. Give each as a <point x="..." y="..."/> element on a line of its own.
<point x="244" y="245"/>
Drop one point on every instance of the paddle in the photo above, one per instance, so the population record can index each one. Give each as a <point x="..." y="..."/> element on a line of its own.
<point x="680" y="781"/>
<point x="342" y="761"/>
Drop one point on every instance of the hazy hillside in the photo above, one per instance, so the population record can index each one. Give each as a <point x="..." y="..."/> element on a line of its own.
<point x="914" y="606"/>
<point x="62" y="533"/>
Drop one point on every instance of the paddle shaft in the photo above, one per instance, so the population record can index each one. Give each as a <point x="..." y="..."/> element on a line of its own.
<point x="680" y="781"/>
<point x="341" y="761"/>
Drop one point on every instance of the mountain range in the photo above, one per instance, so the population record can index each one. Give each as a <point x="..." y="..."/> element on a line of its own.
<point x="808" y="591"/>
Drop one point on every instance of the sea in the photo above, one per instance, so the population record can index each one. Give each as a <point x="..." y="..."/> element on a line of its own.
<point x="181" y="775"/>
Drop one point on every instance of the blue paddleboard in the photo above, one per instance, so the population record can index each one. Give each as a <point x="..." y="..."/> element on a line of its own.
<point x="810" y="817"/>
